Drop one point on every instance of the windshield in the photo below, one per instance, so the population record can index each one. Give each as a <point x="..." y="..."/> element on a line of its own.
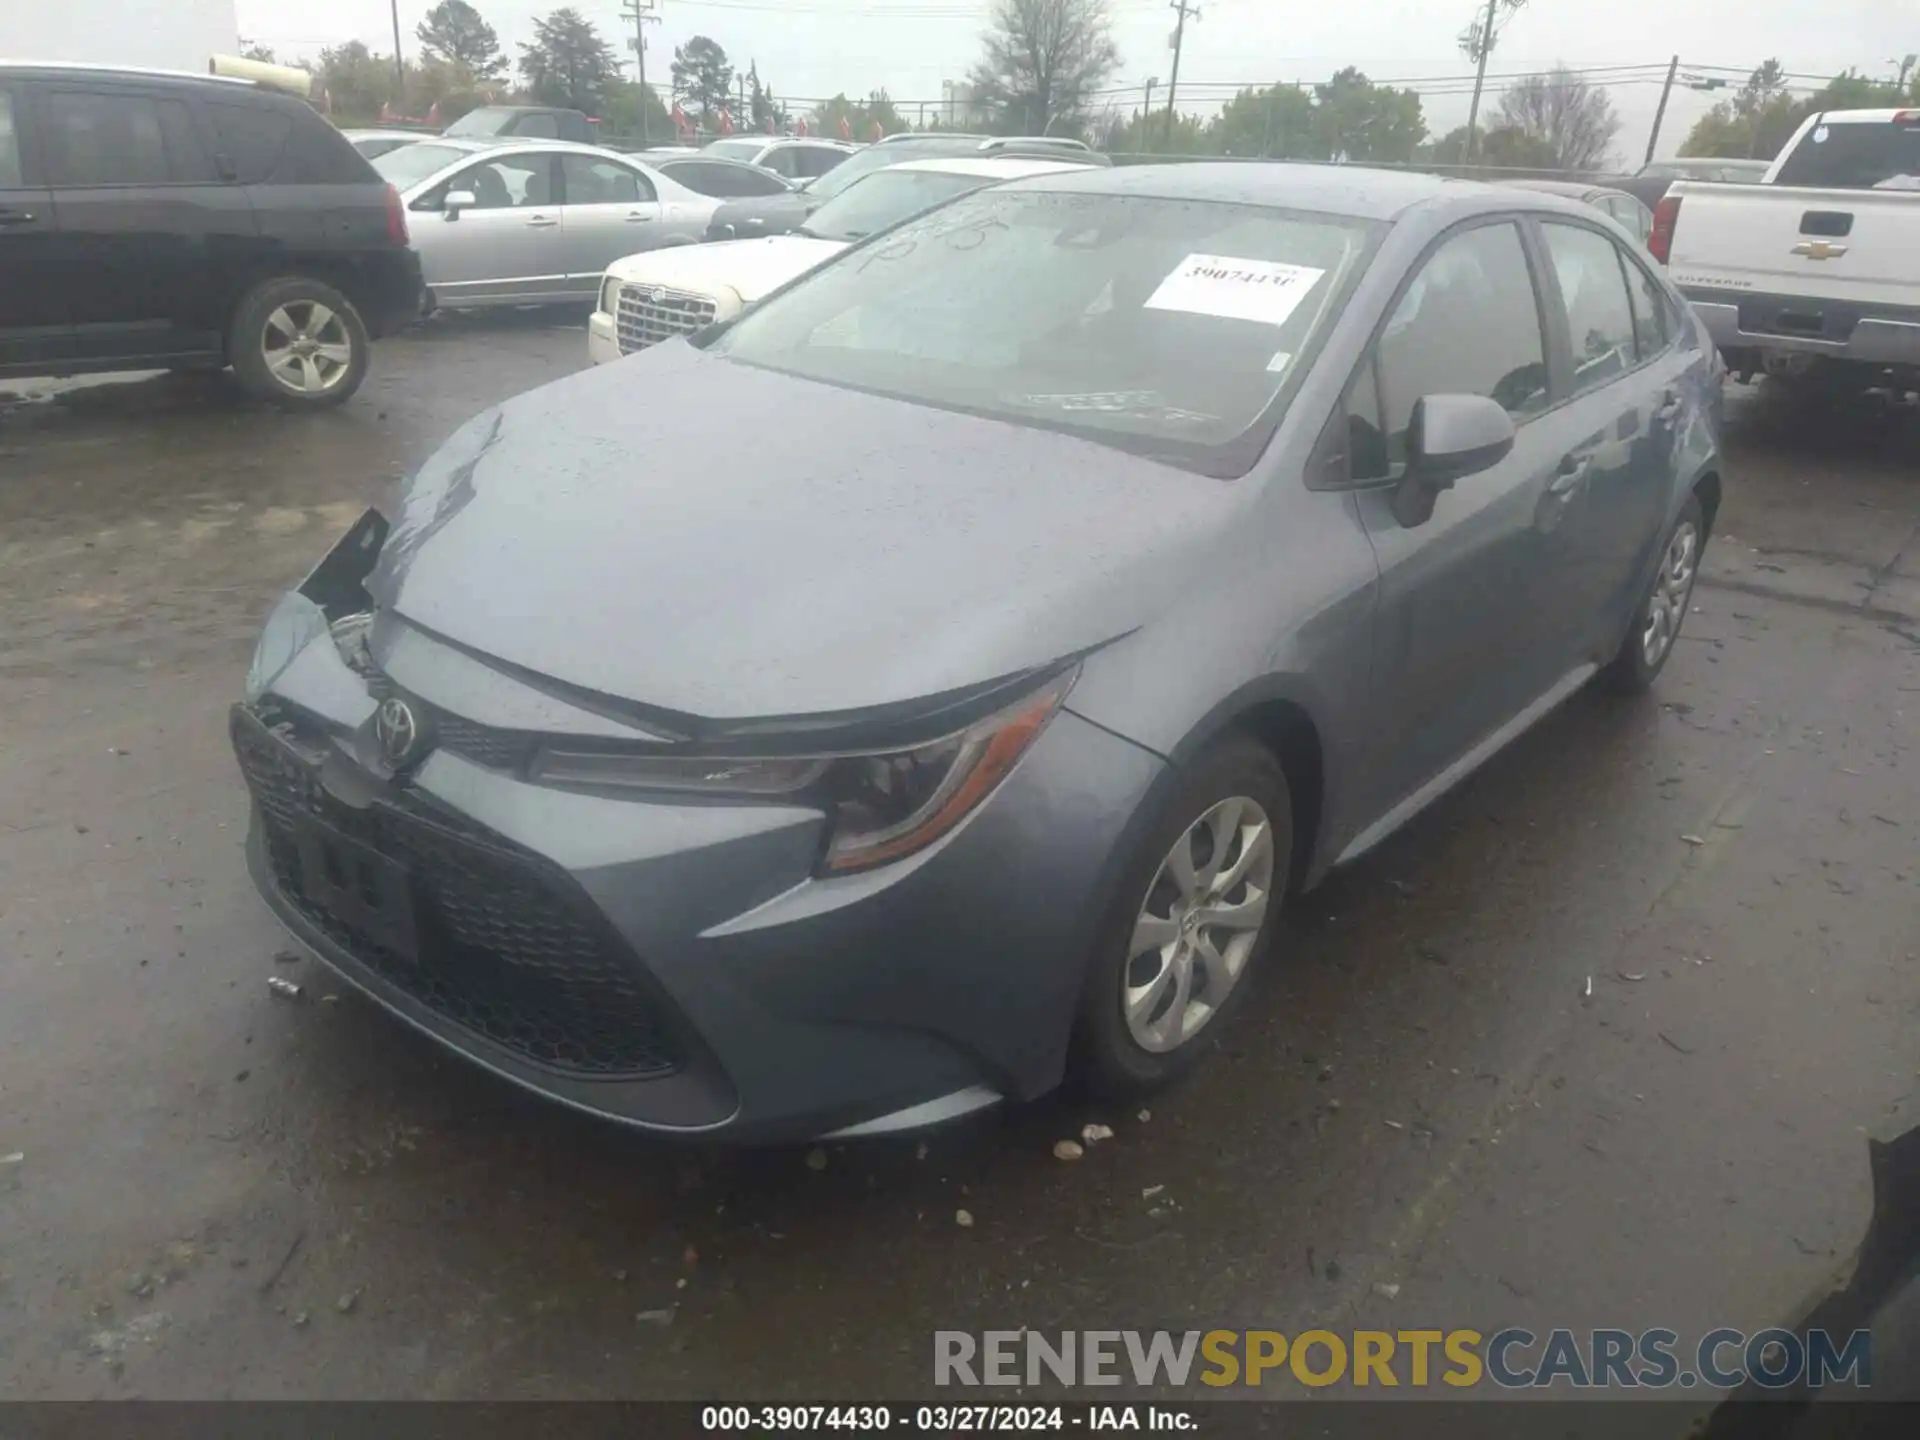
<point x="736" y="149"/>
<point x="1855" y="155"/>
<point x="881" y="201"/>
<point x="484" y="121"/>
<point x="861" y="162"/>
<point x="1164" y="326"/>
<point x="410" y="164"/>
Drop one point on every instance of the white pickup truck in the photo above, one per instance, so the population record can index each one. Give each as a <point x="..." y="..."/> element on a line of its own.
<point x="1816" y="270"/>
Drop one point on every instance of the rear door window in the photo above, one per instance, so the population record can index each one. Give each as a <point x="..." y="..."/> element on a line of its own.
<point x="591" y="181"/>
<point x="12" y="172"/>
<point x="1593" y="292"/>
<point x="104" y="140"/>
<point x="818" y="159"/>
<point x="786" y="160"/>
<point x="1652" y="315"/>
<point x="730" y="182"/>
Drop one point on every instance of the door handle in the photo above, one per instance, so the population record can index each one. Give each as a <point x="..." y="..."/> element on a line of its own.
<point x="541" y="222"/>
<point x="637" y="217"/>
<point x="16" y="217"/>
<point x="1573" y="469"/>
<point x="1669" y="408"/>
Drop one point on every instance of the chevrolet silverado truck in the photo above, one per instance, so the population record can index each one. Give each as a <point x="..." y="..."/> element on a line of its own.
<point x="1815" y="272"/>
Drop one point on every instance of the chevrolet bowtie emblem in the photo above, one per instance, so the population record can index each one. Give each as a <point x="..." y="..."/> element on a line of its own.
<point x="1819" y="249"/>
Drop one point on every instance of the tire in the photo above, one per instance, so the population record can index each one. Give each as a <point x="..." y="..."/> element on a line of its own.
<point x="1639" y="661"/>
<point x="1119" y="1057"/>
<point x="318" y="362"/>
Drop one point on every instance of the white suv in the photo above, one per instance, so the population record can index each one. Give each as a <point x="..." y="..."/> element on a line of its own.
<point x="654" y="296"/>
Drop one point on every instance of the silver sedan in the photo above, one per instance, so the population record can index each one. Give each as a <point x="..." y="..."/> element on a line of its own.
<point x="535" y="222"/>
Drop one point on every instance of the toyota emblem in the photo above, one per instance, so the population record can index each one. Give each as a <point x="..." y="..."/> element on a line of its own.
<point x="397" y="730"/>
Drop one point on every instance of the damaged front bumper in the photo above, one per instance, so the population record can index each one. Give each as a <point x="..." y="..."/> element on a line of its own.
<point x="673" y="963"/>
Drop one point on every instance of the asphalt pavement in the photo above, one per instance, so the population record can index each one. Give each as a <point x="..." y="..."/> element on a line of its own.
<point x="1596" y="1041"/>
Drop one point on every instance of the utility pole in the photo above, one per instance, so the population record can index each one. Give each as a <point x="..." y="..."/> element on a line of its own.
<point x="1661" y="113"/>
<point x="641" y="13"/>
<point x="1146" y="110"/>
<point x="1479" y="80"/>
<point x="1182" y="9"/>
<point x="399" y="69"/>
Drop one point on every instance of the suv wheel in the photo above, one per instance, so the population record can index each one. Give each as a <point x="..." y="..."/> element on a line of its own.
<point x="298" y="343"/>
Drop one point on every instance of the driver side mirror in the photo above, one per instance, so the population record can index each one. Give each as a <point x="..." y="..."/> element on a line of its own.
<point x="1450" y="437"/>
<point x="456" y="201"/>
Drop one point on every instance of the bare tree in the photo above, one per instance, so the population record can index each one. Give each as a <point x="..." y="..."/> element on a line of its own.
<point x="1570" y="117"/>
<point x="1043" y="60"/>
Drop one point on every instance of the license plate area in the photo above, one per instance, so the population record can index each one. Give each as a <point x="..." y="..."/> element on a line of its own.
<point x="362" y="889"/>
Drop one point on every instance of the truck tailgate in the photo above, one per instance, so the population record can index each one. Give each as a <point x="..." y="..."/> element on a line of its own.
<point x="1853" y="245"/>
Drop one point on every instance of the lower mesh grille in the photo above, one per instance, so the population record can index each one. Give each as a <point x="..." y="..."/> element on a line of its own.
<point x="503" y="951"/>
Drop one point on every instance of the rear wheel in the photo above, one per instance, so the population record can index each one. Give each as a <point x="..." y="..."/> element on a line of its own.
<point x="298" y="343"/>
<point x="1656" y="625"/>
<point x="1195" y="912"/>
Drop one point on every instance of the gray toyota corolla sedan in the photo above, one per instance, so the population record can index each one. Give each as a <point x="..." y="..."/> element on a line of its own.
<point x="939" y="675"/>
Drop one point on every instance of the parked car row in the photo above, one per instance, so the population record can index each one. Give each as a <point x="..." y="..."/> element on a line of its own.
<point x="650" y="297"/>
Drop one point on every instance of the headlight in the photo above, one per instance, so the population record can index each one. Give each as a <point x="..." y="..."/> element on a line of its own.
<point x="882" y="807"/>
<point x="610" y="296"/>
<point x="295" y="622"/>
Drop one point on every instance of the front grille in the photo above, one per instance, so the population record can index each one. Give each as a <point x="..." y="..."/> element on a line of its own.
<point x="503" y="950"/>
<point x="649" y="314"/>
<point x="486" y="745"/>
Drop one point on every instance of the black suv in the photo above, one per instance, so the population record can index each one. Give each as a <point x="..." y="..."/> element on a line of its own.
<point x="158" y="221"/>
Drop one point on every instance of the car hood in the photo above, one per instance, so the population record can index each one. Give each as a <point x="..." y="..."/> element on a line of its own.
<point x="702" y="537"/>
<point x="750" y="268"/>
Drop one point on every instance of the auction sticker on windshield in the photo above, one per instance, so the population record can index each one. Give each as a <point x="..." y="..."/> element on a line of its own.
<point x="1264" y="291"/>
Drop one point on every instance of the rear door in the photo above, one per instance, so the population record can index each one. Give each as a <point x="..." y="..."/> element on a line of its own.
<point x="1477" y="612"/>
<point x="34" y="322"/>
<point x="1618" y="420"/>
<point x="510" y="245"/>
<point x="148" y="230"/>
<point x="610" y="210"/>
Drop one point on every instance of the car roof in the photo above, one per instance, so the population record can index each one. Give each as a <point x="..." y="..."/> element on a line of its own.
<point x="1865" y="117"/>
<point x="1572" y="188"/>
<point x="63" y="69"/>
<point x="477" y="143"/>
<point x="999" y="167"/>
<point x="360" y="134"/>
<point x="1350" y="190"/>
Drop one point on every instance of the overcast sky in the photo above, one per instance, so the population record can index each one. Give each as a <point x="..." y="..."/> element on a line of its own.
<point x="814" y="48"/>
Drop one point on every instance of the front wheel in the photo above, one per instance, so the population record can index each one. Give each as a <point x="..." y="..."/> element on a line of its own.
<point x="1195" y="912"/>
<point x="298" y="343"/>
<point x="1656" y="625"/>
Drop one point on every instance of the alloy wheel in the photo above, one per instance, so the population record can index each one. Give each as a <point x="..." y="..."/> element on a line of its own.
<point x="1197" y="927"/>
<point x="1672" y="590"/>
<point x="306" y="347"/>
